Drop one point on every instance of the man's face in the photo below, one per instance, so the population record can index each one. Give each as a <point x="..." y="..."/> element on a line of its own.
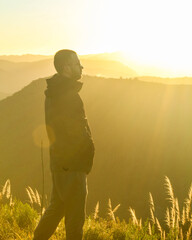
<point x="73" y="68"/>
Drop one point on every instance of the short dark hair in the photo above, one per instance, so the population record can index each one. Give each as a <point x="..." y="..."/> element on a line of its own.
<point x="61" y="57"/>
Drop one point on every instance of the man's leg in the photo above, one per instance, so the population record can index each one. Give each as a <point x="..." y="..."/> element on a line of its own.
<point x="75" y="208"/>
<point x="51" y="217"/>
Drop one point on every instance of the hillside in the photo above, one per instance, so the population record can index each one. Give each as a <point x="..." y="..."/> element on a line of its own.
<point x="176" y="81"/>
<point x="16" y="75"/>
<point x="142" y="132"/>
<point x="3" y="95"/>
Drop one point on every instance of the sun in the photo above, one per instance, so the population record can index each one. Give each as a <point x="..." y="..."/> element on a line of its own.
<point x="150" y="33"/>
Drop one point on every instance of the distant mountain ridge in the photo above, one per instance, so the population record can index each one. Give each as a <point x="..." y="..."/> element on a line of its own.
<point x="141" y="67"/>
<point x="24" y="57"/>
<point x="37" y="57"/>
<point x="15" y="75"/>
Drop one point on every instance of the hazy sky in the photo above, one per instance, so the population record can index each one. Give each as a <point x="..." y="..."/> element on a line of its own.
<point x="156" y="32"/>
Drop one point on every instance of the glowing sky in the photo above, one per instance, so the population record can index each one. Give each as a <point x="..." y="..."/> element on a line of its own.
<point x="151" y="32"/>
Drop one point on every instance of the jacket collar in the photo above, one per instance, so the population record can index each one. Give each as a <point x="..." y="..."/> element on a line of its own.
<point x="57" y="85"/>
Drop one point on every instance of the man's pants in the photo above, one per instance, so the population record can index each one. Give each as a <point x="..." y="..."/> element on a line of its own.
<point x="68" y="198"/>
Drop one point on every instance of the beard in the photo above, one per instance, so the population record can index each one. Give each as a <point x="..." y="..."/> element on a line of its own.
<point x="76" y="76"/>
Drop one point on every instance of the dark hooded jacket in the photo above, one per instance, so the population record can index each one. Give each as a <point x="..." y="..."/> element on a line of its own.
<point x="71" y="144"/>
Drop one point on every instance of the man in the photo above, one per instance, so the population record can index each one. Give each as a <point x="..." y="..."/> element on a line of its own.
<point x="71" y="149"/>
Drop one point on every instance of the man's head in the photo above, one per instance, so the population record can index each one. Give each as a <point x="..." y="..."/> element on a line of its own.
<point x="67" y="64"/>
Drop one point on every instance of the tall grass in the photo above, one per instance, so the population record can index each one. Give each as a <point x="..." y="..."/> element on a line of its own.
<point x="179" y="223"/>
<point x="18" y="220"/>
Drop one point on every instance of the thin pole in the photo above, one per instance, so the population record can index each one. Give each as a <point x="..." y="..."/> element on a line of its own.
<point x="43" y="179"/>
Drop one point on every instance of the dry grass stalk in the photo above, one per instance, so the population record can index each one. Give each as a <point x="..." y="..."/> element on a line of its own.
<point x="116" y="208"/>
<point x="167" y="218"/>
<point x="159" y="227"/>
<point x="152" y="208"/>
<point x="37" y="197"/>
<point x="189" y="233"/>
<point x="149" y="229"/>
<point x="133" y="216"/>
<point x="11" y="203"/>
<point x="111" y="211"/>
<point x="140" y="223"/>
<point x="177" y="209"/>
<point x="33" y="196"/>
<point x="163" y="237"/>
<point x="174" y="214"/>
<point x="6" y="191"/>
<point x="29" y="195"/>
<point x="177" y="222"/>
<point x="151" y="202"/>
<point x="189" y="199"/>
<point x="152" y="216"/>
<point x="170" y="192"/>
<point x="43" y="210"/>
<point x="188" y="202"/>
<point x="96" y="212"/>
<point x="183" y="219"/>
<point x="181" y="233"/>
<point x="172" y="217"/>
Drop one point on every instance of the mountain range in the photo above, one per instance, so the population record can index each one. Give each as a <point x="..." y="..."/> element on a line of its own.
<point x="16" y="74"/>
<point x="17" y="71"/>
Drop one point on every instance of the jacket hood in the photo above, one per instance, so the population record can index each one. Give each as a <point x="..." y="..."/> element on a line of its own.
<point x="57" y="85"/>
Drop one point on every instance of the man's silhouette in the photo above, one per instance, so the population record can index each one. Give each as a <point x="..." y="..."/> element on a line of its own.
<point x="71" y="149"/>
